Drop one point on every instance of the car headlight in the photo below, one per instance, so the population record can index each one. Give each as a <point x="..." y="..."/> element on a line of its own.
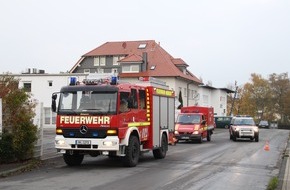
<point x="237" y="128"/>
<point x="256" y="129"/>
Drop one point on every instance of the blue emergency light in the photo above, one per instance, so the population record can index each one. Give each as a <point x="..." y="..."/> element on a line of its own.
<point x="73" y="81"/>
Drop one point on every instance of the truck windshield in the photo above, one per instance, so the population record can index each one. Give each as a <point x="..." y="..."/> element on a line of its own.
<point x="188" y="119"/>
<point x="88" y="101"/>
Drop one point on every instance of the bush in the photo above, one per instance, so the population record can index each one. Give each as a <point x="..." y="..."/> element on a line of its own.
<point x="6" y="148"/>
<point x="23" y="141"/>
<point x="19" y="132"/>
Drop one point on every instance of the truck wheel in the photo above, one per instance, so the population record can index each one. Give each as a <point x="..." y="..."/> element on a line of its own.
<point x="132" y="152"/>
<point x="73" y="160"/>
<point x="161" y="152"/>
<point x="208" y="137"/>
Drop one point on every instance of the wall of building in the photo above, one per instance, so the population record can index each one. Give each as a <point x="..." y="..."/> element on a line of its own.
<point x="42" y="87"/>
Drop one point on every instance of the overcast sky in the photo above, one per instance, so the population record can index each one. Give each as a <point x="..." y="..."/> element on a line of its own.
<point x="222" y="41"/>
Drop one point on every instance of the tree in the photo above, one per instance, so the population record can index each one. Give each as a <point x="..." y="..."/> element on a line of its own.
<point x="266" y="99"/>
<point x="18" y="127"/>
<point x="280" y="86"/>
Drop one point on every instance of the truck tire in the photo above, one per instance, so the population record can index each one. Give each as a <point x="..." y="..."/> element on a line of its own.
<point x="161" y="152"/>
<point x="132" y="152"/>
<point x="73" y="160"/>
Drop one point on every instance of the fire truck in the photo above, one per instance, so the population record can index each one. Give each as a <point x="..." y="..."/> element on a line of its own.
<point x="103" y="116"/>
<point x="194" y="123"/>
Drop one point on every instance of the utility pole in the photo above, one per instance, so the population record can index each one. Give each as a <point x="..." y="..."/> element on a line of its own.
<point x="233" y="101"/>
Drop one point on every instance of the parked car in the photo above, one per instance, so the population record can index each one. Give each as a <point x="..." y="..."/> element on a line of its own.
<point x="263" y="124"/>
<point x="223" y="121"/>
<point x="243" y="127"/>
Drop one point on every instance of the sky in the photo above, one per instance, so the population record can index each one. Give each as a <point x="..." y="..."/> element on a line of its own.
<point x="222" y="41"/>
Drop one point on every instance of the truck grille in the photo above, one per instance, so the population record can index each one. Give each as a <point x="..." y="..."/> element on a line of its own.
<point x="91" y="133"/>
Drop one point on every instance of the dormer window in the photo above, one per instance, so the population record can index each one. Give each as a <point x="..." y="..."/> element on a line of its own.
<point x="142" y="46"/>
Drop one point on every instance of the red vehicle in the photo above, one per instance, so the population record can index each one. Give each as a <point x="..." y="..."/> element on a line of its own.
<point x="90" y="120"/>
<point x="195" y="123"/>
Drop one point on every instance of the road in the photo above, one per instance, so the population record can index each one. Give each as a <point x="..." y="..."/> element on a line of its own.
<point x="219" y="164"/>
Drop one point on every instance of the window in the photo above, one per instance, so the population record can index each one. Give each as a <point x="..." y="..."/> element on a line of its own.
<point x="115" y="60"/>
<point x="130" y="68"/>
<point x="96" y="61"/>
<point x="102" y="61"/>
<point x="27" y="86"/>
<point x="142" y="46"/>
<point x="100" y="71"/>
<point x="184" y="92"/>
<point x="86" y="71"/>
<point x="114" y="70"/>
<point x="49" y="83"/>
<point x="142" y="96"/>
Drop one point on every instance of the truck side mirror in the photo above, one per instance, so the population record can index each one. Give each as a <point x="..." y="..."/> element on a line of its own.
<point x="203" y="122"/>
<point x="53" y="102"/>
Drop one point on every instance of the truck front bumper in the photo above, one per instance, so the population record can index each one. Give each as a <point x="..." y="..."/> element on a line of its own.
<point x="110" y="143"/>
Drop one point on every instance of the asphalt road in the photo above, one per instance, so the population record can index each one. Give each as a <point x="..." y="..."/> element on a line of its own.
<point x="219" y="164"/>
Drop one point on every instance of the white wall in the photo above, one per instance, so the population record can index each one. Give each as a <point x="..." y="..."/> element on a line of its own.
<point x="41" y="91"/>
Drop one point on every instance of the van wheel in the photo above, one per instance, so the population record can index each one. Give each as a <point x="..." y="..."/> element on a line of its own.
<point x="161" y="151"/>
<point x="132" y="152"/>
<point x="257" y="138"/>
<point x="200" y="139"/>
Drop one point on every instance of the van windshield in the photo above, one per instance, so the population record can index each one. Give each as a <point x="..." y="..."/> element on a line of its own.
<point x="188" y="119"/>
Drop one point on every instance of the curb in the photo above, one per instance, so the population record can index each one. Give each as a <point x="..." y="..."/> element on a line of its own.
<point x="286" y="180"/>
<point x="26" y="167"/>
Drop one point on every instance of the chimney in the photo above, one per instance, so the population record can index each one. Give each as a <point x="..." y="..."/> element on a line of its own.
<point x="145" y="62"/>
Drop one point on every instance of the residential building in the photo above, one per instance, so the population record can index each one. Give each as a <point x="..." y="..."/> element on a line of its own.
<point x="146" y="58"/>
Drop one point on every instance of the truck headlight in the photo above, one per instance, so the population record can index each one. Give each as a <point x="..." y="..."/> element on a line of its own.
<point x="195" y="132"/>
<point x="59" y="142"/>
<point x="109" y="143"/>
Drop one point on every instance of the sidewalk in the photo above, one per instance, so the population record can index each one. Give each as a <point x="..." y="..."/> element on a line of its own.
<point x="286" y="175"/>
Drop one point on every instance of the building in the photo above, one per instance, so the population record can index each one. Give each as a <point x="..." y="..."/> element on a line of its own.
<point x="131" y="60"/>
<point x="146" y="58"/>
<point x="41" y="86"/>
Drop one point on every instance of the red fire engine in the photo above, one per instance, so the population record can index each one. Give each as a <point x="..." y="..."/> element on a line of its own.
<point x="105" y="117"/>
<point x="195" y="123"/>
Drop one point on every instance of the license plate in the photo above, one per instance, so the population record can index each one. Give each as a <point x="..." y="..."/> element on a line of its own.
<point x="83" y="142"/>
<point x="184" y="137"/>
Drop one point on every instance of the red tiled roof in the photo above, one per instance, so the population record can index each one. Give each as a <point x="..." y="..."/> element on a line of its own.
<point x="165" y="64"/>
<point x="132" y="58"/>
<point x="179" y="61"/>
